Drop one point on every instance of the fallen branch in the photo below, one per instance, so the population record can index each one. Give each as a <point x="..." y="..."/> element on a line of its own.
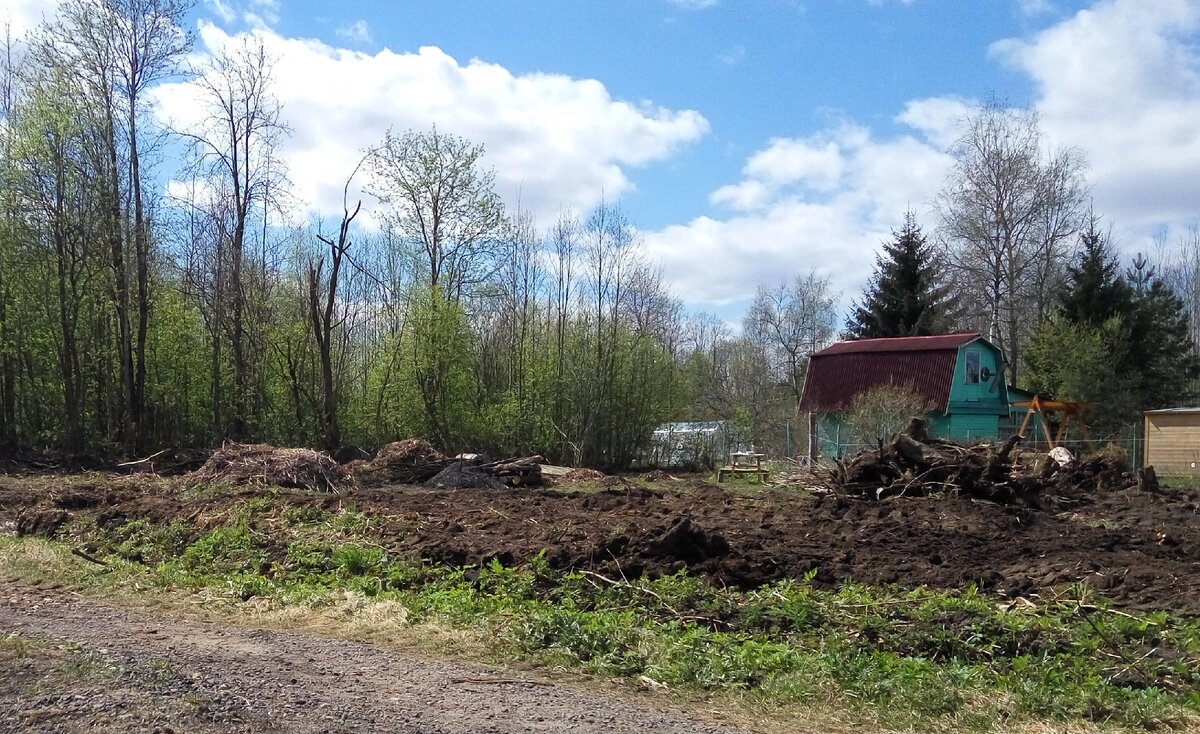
<point x="86" y="557"/>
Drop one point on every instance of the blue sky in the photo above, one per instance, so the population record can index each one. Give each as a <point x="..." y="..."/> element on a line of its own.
<point x="750" y="140"/>
<point x="755" y="69"/>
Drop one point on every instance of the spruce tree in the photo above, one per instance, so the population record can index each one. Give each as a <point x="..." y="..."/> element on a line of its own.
<point x="1161" y="349"/>
<point x="1095" y="291"/>
<point x="906" y="295"/>
<point x="1137" y="324"/>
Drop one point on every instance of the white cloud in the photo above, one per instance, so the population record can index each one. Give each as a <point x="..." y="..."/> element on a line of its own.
<point x="22" y="16"/>
<point x="553" y="140"/>
<point x="938" y="118"/>
<point x="823" y="201"/>
<point x="1035" y="7"/>
<point x="1121" y="81"/>
<point x="732" y="56"/>
<point x="222" y="10"/>
<point x="357" y="32"/>
<point x="694" y="4"/>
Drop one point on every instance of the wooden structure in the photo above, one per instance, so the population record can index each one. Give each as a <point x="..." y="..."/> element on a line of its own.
<point x="1172" y="444"/>
<point x="958" y="376"/>
<point x="743" y="462"/>
<point x="1070" y="412"/>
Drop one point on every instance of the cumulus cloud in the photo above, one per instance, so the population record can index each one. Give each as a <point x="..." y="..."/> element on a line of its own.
<point x="553" y="140"/>
<point x="22" y="16"/>
<point x="823" y="201"/>
<point x="938" y="118"/>
<point x="357" y="32"/>
<point x="1034" y="7"/>
<point x="1121" y="81"/>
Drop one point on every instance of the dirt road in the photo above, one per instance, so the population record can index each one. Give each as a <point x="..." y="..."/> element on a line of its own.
<point x="71" y="664"/>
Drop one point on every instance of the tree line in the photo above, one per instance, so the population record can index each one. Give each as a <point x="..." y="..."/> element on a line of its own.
<point x="133" y="318"/>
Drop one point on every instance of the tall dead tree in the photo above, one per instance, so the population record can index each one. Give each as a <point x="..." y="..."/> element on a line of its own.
<point x="322" y="301"/>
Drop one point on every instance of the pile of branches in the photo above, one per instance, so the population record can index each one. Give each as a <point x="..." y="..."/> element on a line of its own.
<point x="238" y="463"/>
<point x="411" y="461"/>
<point x="914" y="464"/>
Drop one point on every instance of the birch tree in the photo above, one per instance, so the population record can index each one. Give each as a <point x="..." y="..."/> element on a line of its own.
<point x="1008" y="212"/>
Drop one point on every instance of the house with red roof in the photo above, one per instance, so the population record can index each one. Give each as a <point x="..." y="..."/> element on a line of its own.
<point x="958" y="376"/>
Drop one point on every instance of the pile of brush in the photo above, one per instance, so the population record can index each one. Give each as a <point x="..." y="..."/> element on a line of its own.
<point x="239" y="463"/>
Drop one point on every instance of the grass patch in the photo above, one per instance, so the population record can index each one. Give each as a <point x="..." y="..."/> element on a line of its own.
<point x="893" y="658"/>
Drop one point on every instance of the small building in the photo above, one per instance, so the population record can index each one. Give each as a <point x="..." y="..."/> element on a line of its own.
<point x="692" y="445"/>
<point x="959" y="375"/>
<point x="1172" y="440"/>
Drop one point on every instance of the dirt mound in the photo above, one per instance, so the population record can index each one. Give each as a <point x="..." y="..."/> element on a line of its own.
<point x="462" y="475"/>
<point x="685" y="541"/>
<point x="45" y="523"/>
<point x="576" y="476"/>
<point x="236" y="463"/>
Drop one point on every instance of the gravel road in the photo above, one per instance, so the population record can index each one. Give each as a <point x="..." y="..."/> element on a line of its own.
<point x="73" y="664"/>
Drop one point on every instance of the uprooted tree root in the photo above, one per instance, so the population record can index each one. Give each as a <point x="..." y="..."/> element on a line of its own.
<point x="913" y="464"/>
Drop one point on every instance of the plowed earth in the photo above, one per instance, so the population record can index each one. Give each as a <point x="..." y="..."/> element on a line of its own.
<point x="1141" y="550"/>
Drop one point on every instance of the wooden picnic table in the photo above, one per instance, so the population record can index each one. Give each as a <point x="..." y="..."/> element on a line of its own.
<point x="744" y="462"/>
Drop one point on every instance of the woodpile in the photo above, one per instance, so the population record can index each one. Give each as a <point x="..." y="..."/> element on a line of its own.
<point x="416" y="461"/>
<point x="411" y="461"/>
<point x="913" y="464"/>
<point x="525" y="472"/>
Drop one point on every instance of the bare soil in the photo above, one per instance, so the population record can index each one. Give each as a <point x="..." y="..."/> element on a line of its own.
<point x="1140" y="549"/>
<point x="70" y="664"/>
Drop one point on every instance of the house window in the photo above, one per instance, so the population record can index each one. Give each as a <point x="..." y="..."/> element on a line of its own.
<point x="972" y="367"/>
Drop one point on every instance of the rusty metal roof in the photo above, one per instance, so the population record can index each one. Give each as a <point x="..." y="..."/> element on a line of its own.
<point x="923" y="364"/>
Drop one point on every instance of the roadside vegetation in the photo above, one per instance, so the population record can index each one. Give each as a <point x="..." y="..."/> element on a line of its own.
<point x="904" y="659"/>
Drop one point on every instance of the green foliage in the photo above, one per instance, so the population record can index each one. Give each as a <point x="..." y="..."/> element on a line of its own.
<point x="1126" y="349"/>
<point x="907" y="295"/>
<point x="1080" y="362"/>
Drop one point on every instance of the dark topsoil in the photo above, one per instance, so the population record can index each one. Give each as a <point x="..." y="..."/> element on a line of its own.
<point x="1139" y="549"/>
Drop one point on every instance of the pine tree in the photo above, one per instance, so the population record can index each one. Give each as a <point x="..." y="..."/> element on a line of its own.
<point x="906" y="295"/>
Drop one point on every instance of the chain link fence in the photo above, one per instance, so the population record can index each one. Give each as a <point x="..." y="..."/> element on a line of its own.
<point x="1128" y="442"/>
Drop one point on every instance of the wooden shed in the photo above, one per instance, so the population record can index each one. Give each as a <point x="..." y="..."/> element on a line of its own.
<point x="1172" y="443"/>
<point x="959" y="375"/>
